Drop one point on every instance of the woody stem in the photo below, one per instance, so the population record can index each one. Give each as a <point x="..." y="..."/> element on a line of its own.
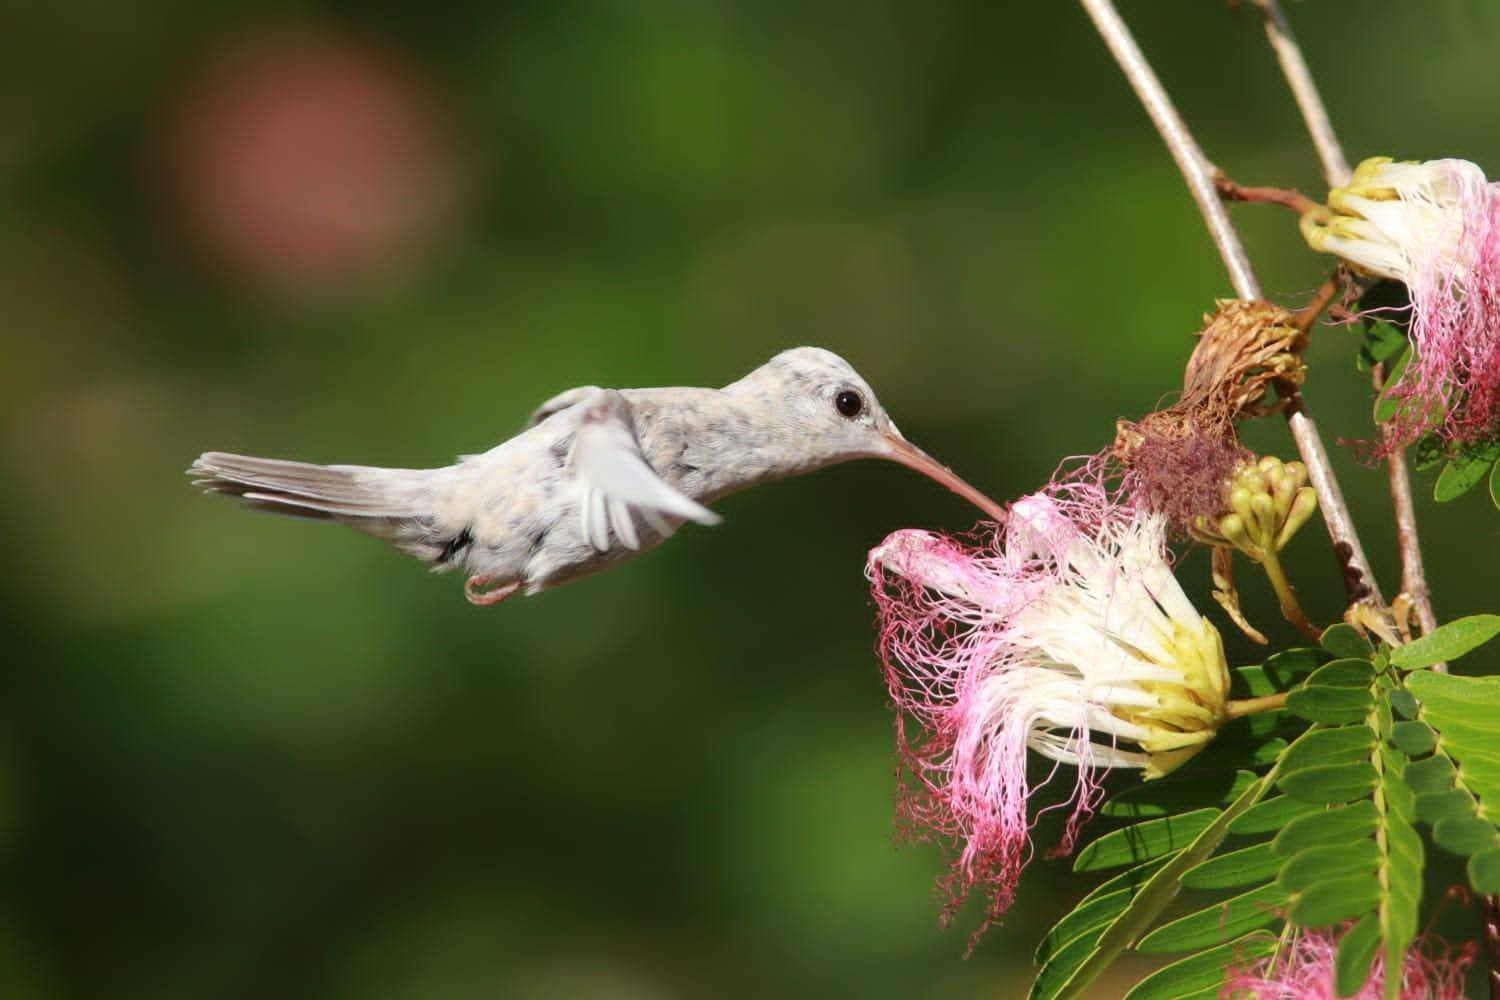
<point x="1413" y="572"/>
<point x="1305" y="92"/>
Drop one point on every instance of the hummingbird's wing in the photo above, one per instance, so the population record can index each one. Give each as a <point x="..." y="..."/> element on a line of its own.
<point x="560" y="402"/>
<point x="616" y="482"/>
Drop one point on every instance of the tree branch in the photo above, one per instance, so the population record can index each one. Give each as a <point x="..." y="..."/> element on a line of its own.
<point x="1199" y="174"/>
<point x="1305" y="92"/>
<point x="1195" y="168"/>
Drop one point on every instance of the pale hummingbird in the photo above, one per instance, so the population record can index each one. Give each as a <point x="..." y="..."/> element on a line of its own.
<point x="596" y="476"/>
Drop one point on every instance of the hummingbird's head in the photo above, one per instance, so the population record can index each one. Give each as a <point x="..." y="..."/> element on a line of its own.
<point x="817" y="399"/>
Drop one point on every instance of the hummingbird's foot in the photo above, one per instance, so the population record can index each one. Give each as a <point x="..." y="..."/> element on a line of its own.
<point x="479" y="597"/>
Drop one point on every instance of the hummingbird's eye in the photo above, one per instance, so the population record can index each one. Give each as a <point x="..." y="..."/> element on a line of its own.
<point x="849" y="403"/>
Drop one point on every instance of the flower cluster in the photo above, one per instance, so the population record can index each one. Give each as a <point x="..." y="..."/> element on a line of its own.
<point x="1268" y="501"/>
<point x="1435" y="227"/>
<point x="1068" y="635"/>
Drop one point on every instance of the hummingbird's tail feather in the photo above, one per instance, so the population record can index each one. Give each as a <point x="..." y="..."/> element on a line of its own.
<point x="301" y="489"/>
<point x="395" y="505"/>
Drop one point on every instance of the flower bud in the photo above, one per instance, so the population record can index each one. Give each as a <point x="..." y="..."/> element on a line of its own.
<point x="1268" y="501"/>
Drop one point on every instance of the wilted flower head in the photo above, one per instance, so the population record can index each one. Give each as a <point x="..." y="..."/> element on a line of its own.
<point x="1175" y="461"/>
<point x="1306" y="972"/>
<point x="1067" y="635"/>
<point x="1434" y="226"/>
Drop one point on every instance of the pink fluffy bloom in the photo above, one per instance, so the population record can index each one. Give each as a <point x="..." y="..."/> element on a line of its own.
<point x="1305" y="972"/>
<point x="1434" y="226"/>
<point x="1067" y="635"/>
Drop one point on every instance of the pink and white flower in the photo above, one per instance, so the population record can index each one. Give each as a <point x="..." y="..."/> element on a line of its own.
<point x="1305" y="972"/>
<point x="1435" y="227"/>
<point x="1067" y="635"/>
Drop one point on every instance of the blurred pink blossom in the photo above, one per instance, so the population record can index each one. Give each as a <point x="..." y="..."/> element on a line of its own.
<point x="1305" y="972"/>
<point x="307" y="159"/>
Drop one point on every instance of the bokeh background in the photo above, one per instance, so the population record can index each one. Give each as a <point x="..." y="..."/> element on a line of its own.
<point x="247" y="757"/>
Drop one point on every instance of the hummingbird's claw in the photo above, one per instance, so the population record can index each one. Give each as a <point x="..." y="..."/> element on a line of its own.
<point x="481" y="598"/>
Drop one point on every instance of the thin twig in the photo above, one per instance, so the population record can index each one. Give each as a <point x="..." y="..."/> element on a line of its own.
<point x="1285" y="197"/>
<point x="1413" y="573"/>
<point x="1199" y="174"/>
<point x="1309" y="102"/>
<point x="1196" y="169"/>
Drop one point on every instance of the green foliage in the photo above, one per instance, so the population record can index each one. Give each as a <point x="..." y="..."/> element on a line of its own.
<point x="1388" y="405"/>
<point x="1446" y="642"/>
<point x="1382" y="748"/>
<point x="1467" y="468"/>
<point x="1383" y="342"/>
<point x="1458" y="786"/>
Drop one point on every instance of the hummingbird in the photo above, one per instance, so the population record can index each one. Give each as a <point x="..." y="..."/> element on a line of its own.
<point x="596" y="476"/>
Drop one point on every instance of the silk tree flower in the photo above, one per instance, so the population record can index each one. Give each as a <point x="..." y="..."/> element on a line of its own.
<point x="1434" y="226"/>
<point x="1306" y="972"/>
<point x="1067" y="635"/>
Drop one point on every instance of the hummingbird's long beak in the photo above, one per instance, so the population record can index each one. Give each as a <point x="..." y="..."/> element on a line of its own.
<point x="909" y="455"/>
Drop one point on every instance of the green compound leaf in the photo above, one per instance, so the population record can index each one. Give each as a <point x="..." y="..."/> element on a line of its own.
<point x="1347" y="672"/>
<point x="1278" y="673"/>
<point x="1272" y="814"/>
<point x="1465" y="835"/>
<point x="1484" y="871"/>
<point x="1413" y="738"/>
<point x="1247" y="866"/>
<point x="1147" y="904"/>
<point x="1382" y="342"/>
<point x="1202" y="975"/>
<point x="1460" y="798"/>
<point x="1402" y="703"/>
<point x="1429" y="451"/>
<point x="1401" y="870"/>
<point x="1064" y="966"/>
<point x="1331" y="705"/>
<point x="1329" y="746"/>
<point x="1466" y="470"/>
<point x="1388" y="404"/>
<point x="1177" y="794"/>
<point x="1099" y="907"/>
<point x="1090" y="915"/>
<point x="1434" y="806"/>
<point x="1334" y="900"/>
<point x="1330" y="783"/>
<point x="1446" y="642"/>
<point x="1144" y="841"/>
<point x="1435" y="774"/>
<point x="1332" y="860"/>
<point x="1351" y="963"/>
<point x="1210" y="925"/>
<point x="1336" y="693"/>
<point x="1227" y="756"/>
<point x="1345" y="641"/>
<point x="1339" y="825"/>
<point x="1456" y="693"/>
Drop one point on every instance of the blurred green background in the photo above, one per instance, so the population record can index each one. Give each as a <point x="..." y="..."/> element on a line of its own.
<point x="248" y="757"/>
